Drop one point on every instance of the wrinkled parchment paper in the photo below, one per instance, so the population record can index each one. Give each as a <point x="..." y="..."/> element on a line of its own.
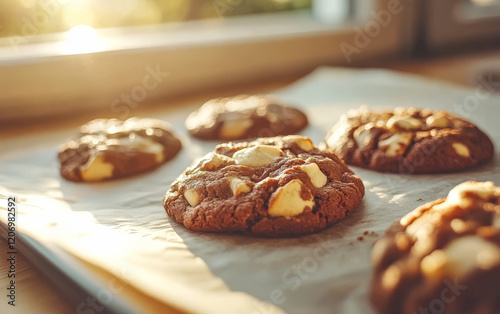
<point x="122" y="227"/>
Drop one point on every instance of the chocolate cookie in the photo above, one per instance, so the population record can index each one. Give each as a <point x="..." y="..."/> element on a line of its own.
<point x="408" y="140"/>
<point x="270" y="187"/>
<point x="443" y="257"/>
<point x="244" y="117"/>
<point x="107" y="149"/>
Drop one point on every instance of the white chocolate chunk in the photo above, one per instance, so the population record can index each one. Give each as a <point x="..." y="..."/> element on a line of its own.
<point x="204" y="116"/>
<point x="461" y="149"/>
<point x="287" y="201"/>
<point x="257" y="156"/>
<point x="420" y="231"/>
<point x="496" y="221"/>
<point x="484" y="190"/>
<point x="147" y="145"/>
<point x="434" y="264"/>
<point x="396" y="144"/>
<point x="192" y="197"/>
<point x="391" y="277"/>
<point x="158" y="152"/>
<point x="72" y="145"/>
<point x="317" y="177"/>
<point x="141" y="143"/>
<point x="458" y="225"/>
<point x="468" y="253"/>
<point x="459" y="195"/>
<point x="437" y="121"/>
<point x="96" y="169"/>
<point x="244" y="103"/>
<point x="238" y="186"/>
<point x="113" y="142"/>
<point x="212" y="161"/>
<point x="233" y="129"/>
<point x="406" y="122"/>
<point x="362" y="139"/>
<point x="361" y="136"/>
<point x="303" y="142"/>
<point x="86" y="139"/>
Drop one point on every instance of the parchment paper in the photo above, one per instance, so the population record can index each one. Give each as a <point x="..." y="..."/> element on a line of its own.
<point x="122" y="227"/>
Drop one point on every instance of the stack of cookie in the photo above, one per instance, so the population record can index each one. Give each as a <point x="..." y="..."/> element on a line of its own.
<point x="280" y="184"/>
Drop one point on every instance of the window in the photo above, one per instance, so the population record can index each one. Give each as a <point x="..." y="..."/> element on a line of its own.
<point x="481" y="9"/>
<point x="452" y="24"/>
<point x="36" y="17"/>
<point x="89" y="67"/>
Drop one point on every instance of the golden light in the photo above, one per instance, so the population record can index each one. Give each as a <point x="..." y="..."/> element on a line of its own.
<point x="82" y="39"/>
<point x="484" y="2"/>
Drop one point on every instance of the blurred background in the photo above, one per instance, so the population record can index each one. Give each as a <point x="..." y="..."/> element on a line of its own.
<point x="65" y="14"/>
<point x="69" y="57"/>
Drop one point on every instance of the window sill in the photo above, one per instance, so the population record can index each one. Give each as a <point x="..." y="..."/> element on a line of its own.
<point x="44" y="78"/>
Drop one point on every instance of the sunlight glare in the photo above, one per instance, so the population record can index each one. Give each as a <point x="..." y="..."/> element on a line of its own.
<point x="82" y="39"/>
<point x="484" y="2"/>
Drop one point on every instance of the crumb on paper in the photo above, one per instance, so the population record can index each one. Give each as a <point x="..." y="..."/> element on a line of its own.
<point x="367" y="234"/>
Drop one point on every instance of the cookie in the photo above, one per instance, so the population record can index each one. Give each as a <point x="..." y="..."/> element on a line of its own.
<point x="108" y="149"/>
<point x="244" y="117"/>
<point x="408" y="141"/>
<point x="279" y="186"/>
<point x="444" y="257"/>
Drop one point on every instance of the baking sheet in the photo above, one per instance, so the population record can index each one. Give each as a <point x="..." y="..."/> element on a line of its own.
<point x="122" y="227"/>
